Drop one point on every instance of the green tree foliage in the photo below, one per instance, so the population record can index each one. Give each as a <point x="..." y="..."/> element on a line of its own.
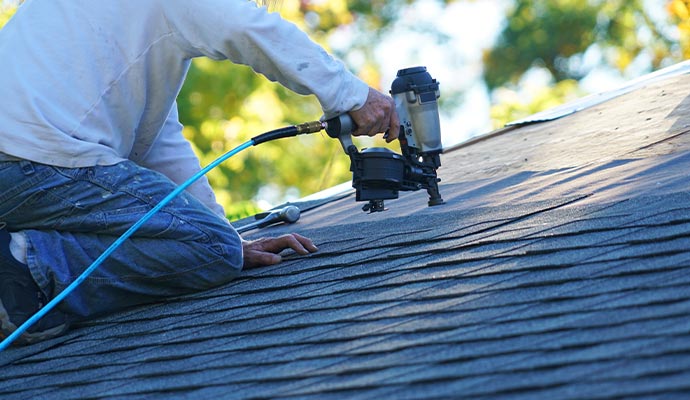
<point x="558" y="35"/>
<point x="222" y="104"/>
<point x="554" y="34"/>
<point x="369" y="21"/>
<point x="679" y="10"/>
<point x="6" y="11"/>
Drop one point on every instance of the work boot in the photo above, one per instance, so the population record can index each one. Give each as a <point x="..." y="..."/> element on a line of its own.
<point x="20" y="298"/>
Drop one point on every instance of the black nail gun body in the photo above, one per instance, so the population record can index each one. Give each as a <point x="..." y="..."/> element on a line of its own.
<point x="379" y="173"/>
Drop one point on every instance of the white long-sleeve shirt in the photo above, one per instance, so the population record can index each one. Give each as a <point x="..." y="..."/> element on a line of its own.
<point x="94" y="82"/>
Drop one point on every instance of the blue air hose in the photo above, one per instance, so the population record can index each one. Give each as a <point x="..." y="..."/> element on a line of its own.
<point x="309" y="127"/>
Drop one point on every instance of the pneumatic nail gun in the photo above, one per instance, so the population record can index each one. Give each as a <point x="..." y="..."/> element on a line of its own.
<point x="379" y="173"/>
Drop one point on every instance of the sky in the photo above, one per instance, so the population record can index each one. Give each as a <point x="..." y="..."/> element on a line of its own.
<point x="472" y="27"/>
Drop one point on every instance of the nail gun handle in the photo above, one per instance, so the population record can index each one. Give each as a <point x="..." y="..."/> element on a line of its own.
<point x="341" y="128"/>
<point x="340" y="125"/>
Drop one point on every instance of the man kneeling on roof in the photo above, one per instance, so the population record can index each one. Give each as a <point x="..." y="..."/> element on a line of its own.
<point x="90" y="142"/>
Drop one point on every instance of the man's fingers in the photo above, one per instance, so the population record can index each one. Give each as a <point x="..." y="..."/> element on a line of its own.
<point x="306" y="243"/>
<point x="280" y="243"/>
<point x="255" y="258"/>
<point x="265" y="251"/>
<point x="294" y="241"/>
<point x="264" y="258"/>
<point x="394" y="130"/>
<point x="377" y="115"/>
<point x="369" y="125"/>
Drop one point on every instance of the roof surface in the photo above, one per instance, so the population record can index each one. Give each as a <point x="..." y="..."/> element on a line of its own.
<point x="559" y="267"/>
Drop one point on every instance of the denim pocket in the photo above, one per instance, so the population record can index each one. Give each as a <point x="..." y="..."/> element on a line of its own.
<point x="6" y="165"/>
<point x="18" y="179"/>
<point x="31" y="212"/>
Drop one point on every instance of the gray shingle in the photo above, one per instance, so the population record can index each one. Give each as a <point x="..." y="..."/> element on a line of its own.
<point x="562" y="276"/>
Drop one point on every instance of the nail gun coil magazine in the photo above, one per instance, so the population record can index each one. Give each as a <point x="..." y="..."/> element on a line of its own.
<point x="378" y="174"/>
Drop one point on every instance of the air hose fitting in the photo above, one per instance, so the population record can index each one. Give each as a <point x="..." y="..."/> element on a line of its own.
<point x="289" y="131"/>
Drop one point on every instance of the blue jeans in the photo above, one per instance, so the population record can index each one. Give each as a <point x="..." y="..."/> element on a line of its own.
<point x="70" y="216"/>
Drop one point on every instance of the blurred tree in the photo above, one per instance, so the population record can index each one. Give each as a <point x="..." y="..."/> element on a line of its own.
<point x="571" y="38"/>
<point x="679" y="10"/>
<point x="222" y="104"/>
<point x="555" y="34"/>
<point x="7" y="9"/>
<point x="511" y="107"/>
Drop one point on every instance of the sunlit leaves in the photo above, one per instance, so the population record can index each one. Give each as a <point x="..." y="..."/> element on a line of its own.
<point x="680" y="13"/>
<point x="512" y="105"/>
<point x="222" y="105"/>
<point x="540" y="31"/>
<point x="6" y="11"/>
<point x="548" y="32"/>
<point x="570" y="38"/>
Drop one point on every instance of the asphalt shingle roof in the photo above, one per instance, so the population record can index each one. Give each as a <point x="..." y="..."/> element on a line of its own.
<point x="559" y="268"/>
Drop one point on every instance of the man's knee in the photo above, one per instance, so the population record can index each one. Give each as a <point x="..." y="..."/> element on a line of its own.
<point x="226" y="262"/>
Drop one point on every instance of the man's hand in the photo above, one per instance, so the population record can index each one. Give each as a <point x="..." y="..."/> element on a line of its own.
<point x="265" y="251"/>
<point x="377" y="115"/>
